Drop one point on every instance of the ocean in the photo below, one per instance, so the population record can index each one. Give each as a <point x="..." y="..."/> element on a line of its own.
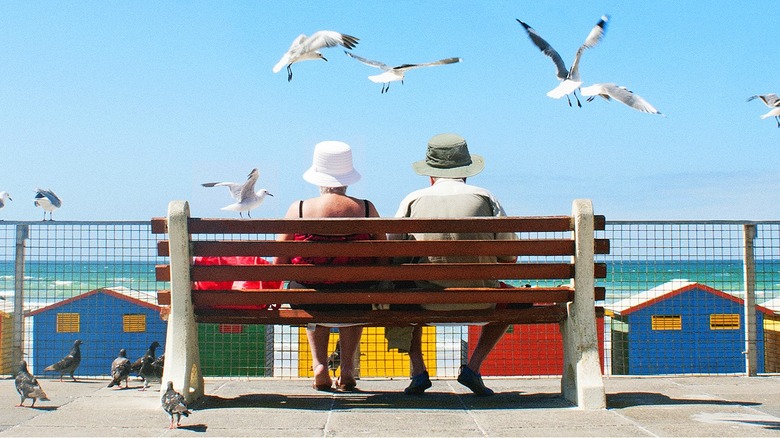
<point x="47" y="282"/>
<point x="53" y="281"/>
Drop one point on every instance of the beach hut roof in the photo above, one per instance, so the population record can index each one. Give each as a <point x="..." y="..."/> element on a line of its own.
<point x="773" y="305"/>
<point x="143" y="299"/>
<point x="668" y="290"/>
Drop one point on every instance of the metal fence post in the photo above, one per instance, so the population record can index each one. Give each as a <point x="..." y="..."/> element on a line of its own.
<point x="22" y="232"/>
<point x="751" y="363"/>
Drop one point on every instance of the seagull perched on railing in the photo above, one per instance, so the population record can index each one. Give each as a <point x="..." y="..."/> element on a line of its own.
<point x="391" y="74"/>
<point x="570" y="78"/>
<point x="244" y="193"/>
<point x="48" y="201"/>
<point x="4" y="196"/>
<point x="771" y="101"/>
<point x="621" y="94"/>
<point x="304" y="48"/>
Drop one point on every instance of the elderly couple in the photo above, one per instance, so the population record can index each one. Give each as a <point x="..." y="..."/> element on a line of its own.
<point x="448" y="163"/>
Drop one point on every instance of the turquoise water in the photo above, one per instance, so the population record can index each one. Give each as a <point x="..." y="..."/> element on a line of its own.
<point x="58" y="280"/>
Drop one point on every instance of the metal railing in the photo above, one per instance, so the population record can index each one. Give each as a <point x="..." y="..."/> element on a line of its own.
<point x="683" y="297"/>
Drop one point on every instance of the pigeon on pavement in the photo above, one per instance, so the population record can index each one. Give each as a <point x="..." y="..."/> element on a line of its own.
<point x="151" y="370"/>
<point x="120" y="369"/>
<point x="69" y="363"/>
<point x="136" y="366"/>
<point x="27" y="386"/>
<point x="174" y="405"/>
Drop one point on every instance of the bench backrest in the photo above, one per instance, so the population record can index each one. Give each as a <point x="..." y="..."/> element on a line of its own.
<point x="545" y="249"/>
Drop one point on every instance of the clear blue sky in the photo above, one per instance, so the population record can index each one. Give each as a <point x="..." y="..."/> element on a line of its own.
<point x="120" y="107"/>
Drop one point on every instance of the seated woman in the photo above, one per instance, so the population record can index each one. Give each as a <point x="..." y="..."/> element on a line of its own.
<point x="332" y="171"/>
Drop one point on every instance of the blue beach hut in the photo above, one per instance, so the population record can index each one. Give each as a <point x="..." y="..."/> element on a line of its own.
<point x="681" y="327"/>
<point x="105" y="320"/>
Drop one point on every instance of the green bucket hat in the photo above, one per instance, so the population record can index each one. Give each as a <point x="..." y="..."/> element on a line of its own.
<point x="448" y="157"/>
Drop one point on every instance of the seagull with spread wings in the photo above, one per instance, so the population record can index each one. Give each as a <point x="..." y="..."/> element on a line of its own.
<point x="570" y="79"/>
<point x="391" y="74"/>
<point x="621" y="94"/>
<point x="305" y="48"/>
<point x="244" y="194"/>
<point x="771" y="101"/>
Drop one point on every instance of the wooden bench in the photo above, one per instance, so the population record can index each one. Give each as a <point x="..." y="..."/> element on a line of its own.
<point x="558" y="250"/>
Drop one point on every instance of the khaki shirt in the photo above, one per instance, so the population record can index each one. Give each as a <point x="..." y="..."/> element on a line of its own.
<point x="453" y="198"/>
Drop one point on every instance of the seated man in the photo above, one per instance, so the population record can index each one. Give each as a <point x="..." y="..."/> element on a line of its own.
<point x="448" y="164"/>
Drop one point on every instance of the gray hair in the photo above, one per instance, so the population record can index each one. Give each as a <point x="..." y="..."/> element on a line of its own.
<point x="342" y="190"/>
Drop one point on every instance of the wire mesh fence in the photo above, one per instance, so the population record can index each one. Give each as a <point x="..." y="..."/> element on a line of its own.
<point x="678" y="301"/>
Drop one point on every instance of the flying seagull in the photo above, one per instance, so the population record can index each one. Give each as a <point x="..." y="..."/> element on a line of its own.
<point x="27" y="386"/>
<point x="771" y="101"/>
<point x="244" y="193"/>
<point x="570" y="78"/>
<point x="48" y="201"/>
<point x="621" y="94"/>
<point x="120" y="369"/>
<point x="304" y="48"/>
<point x="69" y="363"/>
<point x="397" y="73"/>
<point x="4" y="196"/>
<point x="174" y="405"/>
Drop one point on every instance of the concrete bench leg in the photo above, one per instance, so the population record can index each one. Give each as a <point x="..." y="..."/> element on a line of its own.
<point x="582" y="382"/>
<point x="182" y="357"/>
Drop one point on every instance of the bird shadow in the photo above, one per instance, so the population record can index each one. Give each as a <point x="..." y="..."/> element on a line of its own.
<point x="42" y="408"/>
<point x="194" y="427"/>
<point x="768" y="425"/>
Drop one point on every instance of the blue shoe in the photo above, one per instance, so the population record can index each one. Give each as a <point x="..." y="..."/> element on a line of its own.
<point x="419" y="384"/>
<point x="473" y="381"/>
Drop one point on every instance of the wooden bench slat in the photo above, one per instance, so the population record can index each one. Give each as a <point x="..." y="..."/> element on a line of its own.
<point x="450" y="271"/>
<point x="545" y="314"/>
<point x="229" y="226"/>
<point x="212" y="298"/>
<point x="164" y="296"/>
<point x="226" y="248"/>
<point x="454" y="271"/>
<point x="159" y="225"/>
<point x="380" y="225"/>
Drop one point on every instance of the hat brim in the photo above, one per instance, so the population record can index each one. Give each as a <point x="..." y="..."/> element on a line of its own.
<point x="324" y="180"/>
<point x="476" y="166"/>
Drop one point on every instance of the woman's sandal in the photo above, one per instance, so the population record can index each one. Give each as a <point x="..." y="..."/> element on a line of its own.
<point x="325" y="387"/>
<point x="350" y="386"/>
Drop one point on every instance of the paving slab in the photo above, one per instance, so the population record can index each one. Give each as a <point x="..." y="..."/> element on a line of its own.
<point x="637" y="406"/>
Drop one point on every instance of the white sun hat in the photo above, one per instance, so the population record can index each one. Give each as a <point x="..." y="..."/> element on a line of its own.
<point x="332" y="165"/>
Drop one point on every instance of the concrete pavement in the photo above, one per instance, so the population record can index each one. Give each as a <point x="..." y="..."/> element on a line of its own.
<point x="652" y="406"/>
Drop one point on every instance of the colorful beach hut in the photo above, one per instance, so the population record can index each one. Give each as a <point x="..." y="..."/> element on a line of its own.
<point x="528" y="350"/>
<point x="105" y="320"/>
<point x="6" y="343"/>
<point x="772" y="336"/>
<point x="681" y="327"/>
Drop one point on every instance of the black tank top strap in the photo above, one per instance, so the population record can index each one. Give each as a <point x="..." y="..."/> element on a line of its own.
<point x="300" y="209"/>
<point x="365" y="203"/>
